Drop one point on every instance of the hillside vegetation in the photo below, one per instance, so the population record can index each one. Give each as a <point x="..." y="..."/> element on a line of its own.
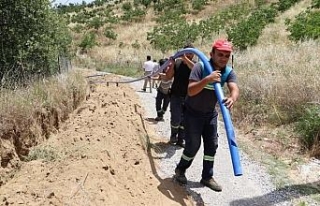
<point x="276" y="59"/>
<point x="276" y="53"/>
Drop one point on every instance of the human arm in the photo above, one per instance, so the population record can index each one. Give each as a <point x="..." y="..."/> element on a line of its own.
<point x="233" y="96"/>
<point x="187" y="61"/>
<point x="195" y="86"/>
<point x="162" y="76"/>
<point x="169" y="73"/>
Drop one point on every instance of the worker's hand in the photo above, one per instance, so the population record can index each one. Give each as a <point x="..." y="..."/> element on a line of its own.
<point x="228" y="102"/>
<point x="215" y="76"/>
<point x="171" y="61"/>
<point x="162" y="75"/>
<point x="184" y="58"/>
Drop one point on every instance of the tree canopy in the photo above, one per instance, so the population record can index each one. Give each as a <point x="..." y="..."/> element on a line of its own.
<point x="32" y="37"/>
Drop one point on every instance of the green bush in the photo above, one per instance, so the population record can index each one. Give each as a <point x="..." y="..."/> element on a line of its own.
<point x="305" y="26"/>
<point x="33" y="35"/>
<point x="199" y="4"/>
<point x="88" y="42"/>
<point x="78" y="28"/>
<point x="109" y="33"/>
<point x="95" y="22"/>
<point x="309" y="126"/>
<point x="284" y="5"/>
<point x="126" y="6"/>
<point x="315" y="4"/>
<point x="133" y="15"/>
<point x="171" y="5"/>
<point x="247" y="32"/>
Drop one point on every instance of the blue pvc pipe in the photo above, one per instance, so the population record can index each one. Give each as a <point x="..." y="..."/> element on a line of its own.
<point x="237" y="170"/>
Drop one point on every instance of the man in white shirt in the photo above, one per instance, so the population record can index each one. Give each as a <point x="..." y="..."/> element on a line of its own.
<point x="155" y="79"/>
<point x="148" y="69"/>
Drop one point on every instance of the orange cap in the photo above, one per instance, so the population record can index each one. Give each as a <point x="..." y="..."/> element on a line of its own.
<point x="222" y="45"/>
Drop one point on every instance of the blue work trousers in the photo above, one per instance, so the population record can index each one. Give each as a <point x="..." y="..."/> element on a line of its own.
<point x="197" y="125"/>
<point x="162" y="103"/>
<point x="176" y="109"/>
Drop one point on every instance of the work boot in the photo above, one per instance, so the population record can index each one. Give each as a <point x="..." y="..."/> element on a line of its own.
<point x="180" y="143"/>
<point x="212" y="184"/>
<point x="173" y="139"/>
<point x="180" y="176"/>
<point x="181" y="134"/>
<point x="159" y="119"/>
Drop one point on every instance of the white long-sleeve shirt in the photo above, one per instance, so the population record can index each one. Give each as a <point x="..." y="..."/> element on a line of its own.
<point x="148" y="66"/>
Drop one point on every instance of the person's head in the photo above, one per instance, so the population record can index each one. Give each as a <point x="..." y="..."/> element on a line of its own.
<point x="189" y="55"/>
<point x="221" y="51"/>
<point x="148" y="58"/>
<point x="162" y="61"/>
<point x="154" y="60"/>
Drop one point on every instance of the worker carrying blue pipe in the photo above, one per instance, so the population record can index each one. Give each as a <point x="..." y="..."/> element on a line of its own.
<point x="200" y="115"/>
<point x="179" y="70"/>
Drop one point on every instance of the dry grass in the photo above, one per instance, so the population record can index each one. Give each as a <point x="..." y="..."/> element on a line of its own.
<point x="29" y="115"/>
<point x="276" y="77"/>
<point x="212" y="8"/>
<point x="136" y="33"/>
<point x="276" y="33"/>
<point x="279" y="77"/>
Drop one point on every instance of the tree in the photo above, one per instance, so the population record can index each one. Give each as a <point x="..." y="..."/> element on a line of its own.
<point x="32" y="37"/>
<point x="173" y="32"/>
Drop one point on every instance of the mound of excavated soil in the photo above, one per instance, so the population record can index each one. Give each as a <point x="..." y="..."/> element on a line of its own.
<point x="99" y="157"/>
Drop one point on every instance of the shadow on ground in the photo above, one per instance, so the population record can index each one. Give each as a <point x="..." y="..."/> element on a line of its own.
<point x="283" y="194"/>
<point x="168" y="186"/>
<point x="165" y="148"/>
<point x="152" y="120"/>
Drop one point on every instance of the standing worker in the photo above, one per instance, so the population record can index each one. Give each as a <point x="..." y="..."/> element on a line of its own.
<point x="200" y="114"/>
<point x="148" y="69"/>
<point x="155" y="78"/>
<point x="163" y="96"/>
<point x="179" y="70"/>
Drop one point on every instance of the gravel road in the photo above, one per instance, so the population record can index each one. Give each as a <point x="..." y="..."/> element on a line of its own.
<point x="254" y="187"/>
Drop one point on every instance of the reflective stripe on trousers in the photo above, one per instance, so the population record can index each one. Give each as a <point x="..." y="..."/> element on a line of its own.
<point x="197" y="126"/>
<point x="176" y="109"/>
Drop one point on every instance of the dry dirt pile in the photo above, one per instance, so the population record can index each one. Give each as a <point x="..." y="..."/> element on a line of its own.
<point x="99" y="158"/>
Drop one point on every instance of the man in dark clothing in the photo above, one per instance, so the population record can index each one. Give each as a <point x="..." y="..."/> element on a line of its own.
<point x="163" y="96"/>
<point x="200" y="114"/>
<point x="179" y="70"/>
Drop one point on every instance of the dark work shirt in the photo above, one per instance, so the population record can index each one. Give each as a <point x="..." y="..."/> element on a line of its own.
<point x="206" y="100"/>
<point x="180" y="79"/>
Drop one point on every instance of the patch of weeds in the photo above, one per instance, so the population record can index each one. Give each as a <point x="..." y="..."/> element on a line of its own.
<point x="316" y="197"/>
<point x="45" y="153"/>
<point x="145" y="142"/>
<point x="156" y="148"/>
<point x="302" y="204"/>
<point x="278" y="170"/>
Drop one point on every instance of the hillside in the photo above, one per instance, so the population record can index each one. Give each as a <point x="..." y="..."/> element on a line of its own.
<point x="273" y="49"/>
<point x="262" y="59"/>
<point x="108" y="148"/>
<point x="261" y="69"/>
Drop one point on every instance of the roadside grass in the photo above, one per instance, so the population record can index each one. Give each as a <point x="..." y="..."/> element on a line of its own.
<point x="43" y="152"/>
<point x="128" y="69"/>
<point x="277" y="84"/>
<point x="29" y="115"/>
